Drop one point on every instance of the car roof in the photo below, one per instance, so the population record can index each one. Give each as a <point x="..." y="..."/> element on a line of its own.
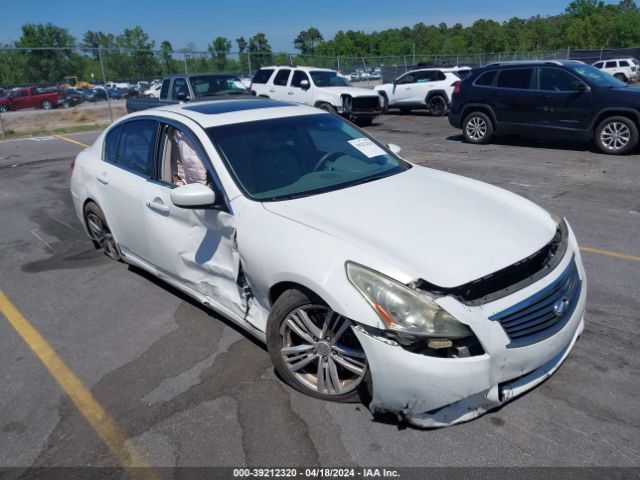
<point x="299" y="67"/>
<point x="533" y="63"/>
<point x="214" y="113"/>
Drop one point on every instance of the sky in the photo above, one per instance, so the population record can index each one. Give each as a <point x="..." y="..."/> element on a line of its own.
<point x="200" y="21"/>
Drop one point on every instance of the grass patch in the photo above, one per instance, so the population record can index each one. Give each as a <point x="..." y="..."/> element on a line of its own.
<point x="10" y="134"/>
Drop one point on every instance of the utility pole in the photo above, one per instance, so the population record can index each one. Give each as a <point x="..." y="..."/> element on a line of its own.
<point x="104" y="79"/>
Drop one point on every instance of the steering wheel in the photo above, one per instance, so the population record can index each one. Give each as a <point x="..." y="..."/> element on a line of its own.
<point x="326" y="158"/>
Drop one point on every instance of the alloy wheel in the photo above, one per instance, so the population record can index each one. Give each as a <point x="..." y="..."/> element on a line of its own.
<point x="321" y="351"/>
<point x="615" y="136"/>
<point x="476" y="128"/>
<point x="100" y="233"/>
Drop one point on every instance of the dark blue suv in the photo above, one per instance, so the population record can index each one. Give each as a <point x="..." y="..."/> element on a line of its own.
<point x="553" y="98"/>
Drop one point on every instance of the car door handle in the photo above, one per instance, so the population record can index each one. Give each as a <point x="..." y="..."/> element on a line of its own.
<point x="290" y="93"/>
<point x="272" y="90"/>
<point x="103" y="179"/>
<point x="158" y="207"/>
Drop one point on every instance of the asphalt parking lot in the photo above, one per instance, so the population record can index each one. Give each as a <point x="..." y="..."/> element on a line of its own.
<point x="186" y="388"/>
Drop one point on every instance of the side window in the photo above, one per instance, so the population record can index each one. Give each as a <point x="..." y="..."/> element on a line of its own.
<point x="111" y="144"/>
<point x="610" y="65"/>
<point x="298" y="76"/>
<point x="519" y="78"/>
<point x="408" y="78"/>
<point x="623" y="63"/>
<point x="424" y="77"/>
<point x="179" y="86"/>
<point x="137" y="146"/>
<point x="262" y="76"/>
<point x="556" y="80"/>
<point x="165" y="88"/>
<point x="598" y="65"/>
<point x="281" y="77"/>
<point x="486" y="78"/>
<point x="181" y="162"/>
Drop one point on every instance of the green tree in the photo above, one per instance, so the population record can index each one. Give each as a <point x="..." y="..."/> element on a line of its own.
<point x="260" y="50"/>
<point x="166" y="57"/>
<point x="308" y="40"/>
<point x="219" y="50"/>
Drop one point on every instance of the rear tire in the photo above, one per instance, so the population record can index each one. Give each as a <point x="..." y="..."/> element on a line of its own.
<point x="47" y="105"/>
<point x="314" y="349"/>
<point x="622" y="77"/>
<point x="437" y="105"/>
<point x="616" y="135"/>
<point x="4" y="108"/>
<point x="477" y="128"/>
<point x="99" y="231"/>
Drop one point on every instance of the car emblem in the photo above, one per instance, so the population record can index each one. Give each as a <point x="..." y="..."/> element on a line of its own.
<point x="560" y="306"/>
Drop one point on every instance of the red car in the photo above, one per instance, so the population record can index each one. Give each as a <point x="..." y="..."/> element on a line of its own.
<point x="29" y="97"/>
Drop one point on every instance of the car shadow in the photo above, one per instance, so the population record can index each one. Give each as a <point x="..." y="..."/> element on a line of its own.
<point x="191" y="301"/>
<point x="535" y="142"/>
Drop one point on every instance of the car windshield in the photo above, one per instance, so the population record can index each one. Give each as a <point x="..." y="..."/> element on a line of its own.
<point x="212" y="85"/>
<point x="328" y="79"/>
<point x="291" y="157"/>
<point x="598" y="77"/>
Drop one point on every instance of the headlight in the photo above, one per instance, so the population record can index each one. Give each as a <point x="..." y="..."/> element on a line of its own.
<point x="403" y="309"/>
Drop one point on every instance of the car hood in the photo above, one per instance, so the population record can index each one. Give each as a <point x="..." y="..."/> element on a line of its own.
<point x="443" y="228"/>
<point x="353" y="91"/>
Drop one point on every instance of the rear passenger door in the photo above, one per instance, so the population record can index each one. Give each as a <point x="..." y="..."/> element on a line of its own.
<point x="123" y="183"/>
<point x="514" y="100"/>
<point x="279" y="89"/>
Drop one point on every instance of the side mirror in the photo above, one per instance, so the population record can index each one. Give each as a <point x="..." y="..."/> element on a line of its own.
<point x="182" y="96"/>
<point x="304" y="84"/>
<point x="581" y="87"/>
<point x="193" y="195"/>
<point x="394" y="148"/>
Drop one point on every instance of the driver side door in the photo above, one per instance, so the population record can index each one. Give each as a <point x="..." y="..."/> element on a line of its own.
<point x="193" y="247"/>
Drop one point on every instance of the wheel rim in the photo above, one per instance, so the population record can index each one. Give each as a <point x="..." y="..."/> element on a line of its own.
<point x="101" y="234"/>
<point x="321" y="351"/>
<point x="436" y="106"/>
<point x="46" y="105"/>
<point x="615" y="136"/>
<point x="476" y="128"/>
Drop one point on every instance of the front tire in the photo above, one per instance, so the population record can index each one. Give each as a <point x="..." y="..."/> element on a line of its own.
<point x="99" y="231"/>
<point x="616" y="135"/>
<point x="315" y="350"/>
<point x="384" y="103"/>
<point x="328" y="108"/>
<point x="437" y="106"/>
<point x="477" y="128"/>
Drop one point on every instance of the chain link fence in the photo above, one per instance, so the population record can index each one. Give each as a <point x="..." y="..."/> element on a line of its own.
<point x="50" y="90"/>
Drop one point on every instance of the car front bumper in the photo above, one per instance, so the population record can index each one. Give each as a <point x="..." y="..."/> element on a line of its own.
<point x="431" y="391"/>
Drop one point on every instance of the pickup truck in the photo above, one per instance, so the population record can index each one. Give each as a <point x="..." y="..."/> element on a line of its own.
<point x="29" y="97"/>
<point x="190" y="87"/>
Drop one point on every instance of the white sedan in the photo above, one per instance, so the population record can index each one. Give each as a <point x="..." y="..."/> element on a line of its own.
<point x="434" y="296"/>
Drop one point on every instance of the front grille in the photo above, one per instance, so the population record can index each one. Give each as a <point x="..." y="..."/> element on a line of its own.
<point x="365" y="103"/>
<point x="543" y="314"/>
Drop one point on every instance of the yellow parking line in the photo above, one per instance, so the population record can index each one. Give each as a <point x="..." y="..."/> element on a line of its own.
<point x="127" y="455"/>
<point x="70" y="140"/>
<point x="609" y="253"/>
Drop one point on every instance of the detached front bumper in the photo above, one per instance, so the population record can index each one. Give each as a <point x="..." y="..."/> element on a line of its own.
<point x="434" y="392"/>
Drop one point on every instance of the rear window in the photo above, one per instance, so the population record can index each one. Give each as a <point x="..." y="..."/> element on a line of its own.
<point x="486" y="78"/>
<point x="519" y="78"/>
<point x="262" y="76"/>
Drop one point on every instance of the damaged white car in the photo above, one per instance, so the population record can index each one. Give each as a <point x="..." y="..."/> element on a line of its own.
<point x="442" y="297"/>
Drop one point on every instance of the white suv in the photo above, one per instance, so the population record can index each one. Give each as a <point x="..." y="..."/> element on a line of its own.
<point x="624" y="69"/>
<point x="317" y="87"/>
<point x="429" y="88"/>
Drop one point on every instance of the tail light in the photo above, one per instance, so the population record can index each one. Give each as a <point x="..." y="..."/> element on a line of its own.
<point x="456" y="86"/>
